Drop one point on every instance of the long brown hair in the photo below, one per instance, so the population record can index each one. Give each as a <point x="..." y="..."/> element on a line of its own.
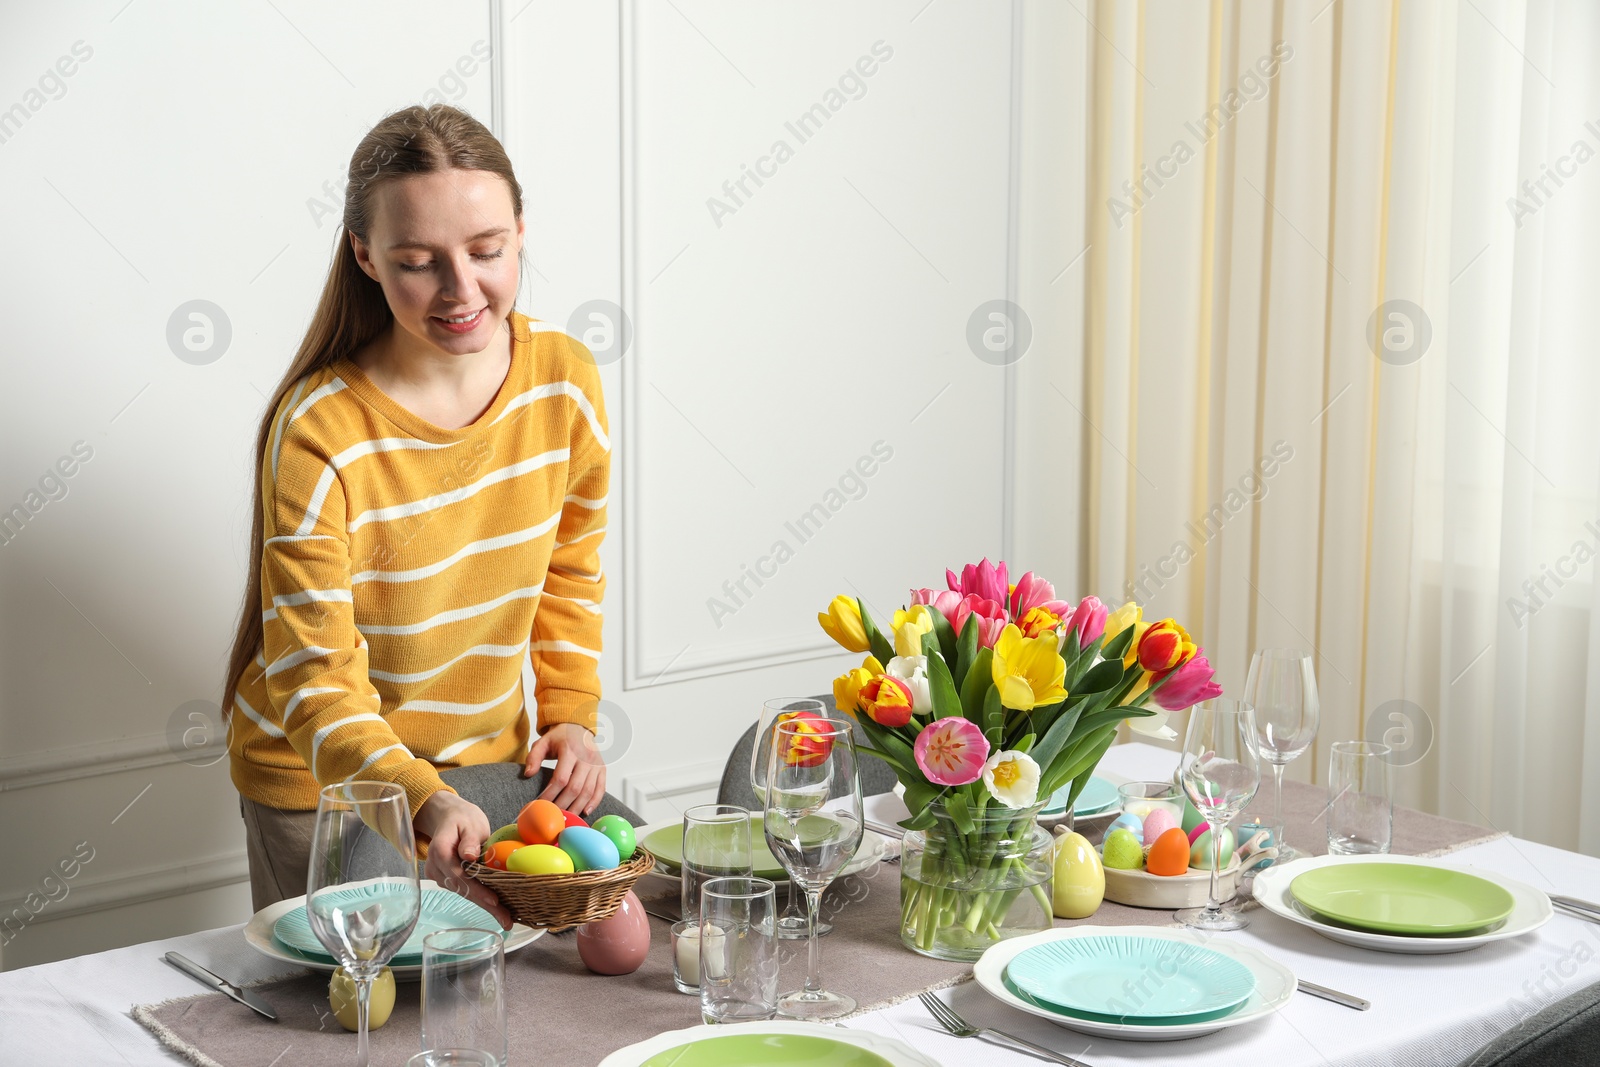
<point x="353" y="310"/>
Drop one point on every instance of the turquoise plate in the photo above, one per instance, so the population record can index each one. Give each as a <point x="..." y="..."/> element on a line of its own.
<point x="441" y="910"/>
<point x="1097" y="796"/>
<point x="1130" y="979"/>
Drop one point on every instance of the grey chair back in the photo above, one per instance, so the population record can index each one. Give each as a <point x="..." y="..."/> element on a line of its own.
<point x="1566" y="1032"/>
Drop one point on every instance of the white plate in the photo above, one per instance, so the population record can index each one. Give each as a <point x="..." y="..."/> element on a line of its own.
<point x="897" y="1053"/>
<point x="258" y="931"/>
<point x="1529" y="911"/>
<point x="1275" y="983"/>
<point x="875" y="848"/>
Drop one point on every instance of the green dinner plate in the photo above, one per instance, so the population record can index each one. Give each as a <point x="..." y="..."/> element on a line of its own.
<point x="441" y="910"/>
<point x="1402" y="898"/>
<point x="1148" y="980"/>
<point x="771" y="1050"/>
<point x="666" y="844"/>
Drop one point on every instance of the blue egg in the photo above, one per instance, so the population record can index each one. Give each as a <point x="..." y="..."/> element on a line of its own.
<point x="1127" y="821"/>
<point x="590" y="849"/>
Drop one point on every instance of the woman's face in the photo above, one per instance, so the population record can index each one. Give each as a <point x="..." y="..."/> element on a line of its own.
<point x="444" y="246"/>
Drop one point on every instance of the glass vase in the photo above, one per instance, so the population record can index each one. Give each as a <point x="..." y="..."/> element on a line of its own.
<point x="962" y="892"/>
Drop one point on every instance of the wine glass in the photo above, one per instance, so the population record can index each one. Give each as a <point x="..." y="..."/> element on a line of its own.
<point x="363" y="898"/>
<point x="792" y="924"/>
<point x="1220" y="772"/>
<point x="809" y="762"/>
<point x="1282" y="687"/>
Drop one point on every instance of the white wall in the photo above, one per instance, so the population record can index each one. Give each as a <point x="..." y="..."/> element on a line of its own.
<point x="772" y="346"/>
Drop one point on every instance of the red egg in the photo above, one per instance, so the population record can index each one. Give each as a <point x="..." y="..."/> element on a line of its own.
<point x="573" y="818"/>
<point x="1170" y="854"/>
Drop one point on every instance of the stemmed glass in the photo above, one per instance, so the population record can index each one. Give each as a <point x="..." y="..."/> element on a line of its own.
<point x="792" y="924"/>
<point x="363" y="898"/>
<point x="1220" y="772"/>
<point x="1282" y="686"/>
<point x="811" y="761"/>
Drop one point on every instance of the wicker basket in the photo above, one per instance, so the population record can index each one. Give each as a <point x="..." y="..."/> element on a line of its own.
<point x="561" y="901"/>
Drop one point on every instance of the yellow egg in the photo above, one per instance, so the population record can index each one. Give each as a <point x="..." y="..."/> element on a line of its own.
<point x="342" y="998"/>
<point x="1170" y="854"/>
<point x="1080" y="883"/>
<point x="547" y="859"/>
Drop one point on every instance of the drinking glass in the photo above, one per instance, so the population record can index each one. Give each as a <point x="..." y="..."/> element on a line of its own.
<point x="716" y="844"/>
<point x="1141" y="798"/>
<point x="363" y="898"/>
<point x="1282" y="687"/>
<point x="738" y="950"/>
<point x="810" y="762"/>
<point x="1220" y="772"/>
<point x="464" y="998"/>
<point x="1361" y="814"/>
<point x="792" y="924"/>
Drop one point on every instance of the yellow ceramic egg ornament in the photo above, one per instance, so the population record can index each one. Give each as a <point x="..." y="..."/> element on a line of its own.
<point x="1080" y="882"/>
<point x="342" y="998"/>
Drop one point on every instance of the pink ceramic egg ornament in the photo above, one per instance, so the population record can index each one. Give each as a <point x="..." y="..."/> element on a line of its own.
<point x="617" y="945"/>
<point x="1158" y="822"/>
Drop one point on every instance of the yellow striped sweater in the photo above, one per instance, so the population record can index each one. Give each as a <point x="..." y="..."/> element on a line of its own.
<point x="410" y="571"/>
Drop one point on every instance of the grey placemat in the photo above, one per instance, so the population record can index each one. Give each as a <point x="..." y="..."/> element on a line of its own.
<point x="561" y="1014"/>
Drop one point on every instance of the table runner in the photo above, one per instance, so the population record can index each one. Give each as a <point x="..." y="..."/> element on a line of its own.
<point x="561" y="1014"/>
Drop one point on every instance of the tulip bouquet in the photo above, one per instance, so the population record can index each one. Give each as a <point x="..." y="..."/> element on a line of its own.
<point x="987" y="698"/>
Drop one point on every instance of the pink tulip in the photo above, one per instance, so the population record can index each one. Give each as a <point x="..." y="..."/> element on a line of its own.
<point x="1187" y="684"/>
<point x="991" y="619"/>
<point x="945" y="602"/>
<point x="984" y="579"/>
<point x="1089" y="621"/>
<point x="951" y="751"/>
<point x="1034" y="592"/>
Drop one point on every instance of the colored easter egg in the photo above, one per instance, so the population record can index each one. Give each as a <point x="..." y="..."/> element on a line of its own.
<point x="1170" y="854"/>
<point x="1079" y="883"/>
<point x="1196" y="830"/>
<point x="1200" y="851"/>
<point x="540" y="823"/>
<point x="496" y="854"/>
<point x="508" y="832"/>
<point x="590" y="849"/>
<point x="1127" y="821"/>
<point x="620" y="831"/>
<point x="1158" y="822"/>
<point x="573" y="818"/>
<point x="1121" y="851"/>
<point x="539" y="859"/>
<point x="617" y="945"/>
<point x="1191" y="815"/>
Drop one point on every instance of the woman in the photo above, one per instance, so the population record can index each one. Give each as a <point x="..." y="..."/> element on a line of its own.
<point x="433" y="473"/>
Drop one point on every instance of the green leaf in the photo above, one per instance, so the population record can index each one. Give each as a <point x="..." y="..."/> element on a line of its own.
<point x="979" y="680"/>
<point x="966" y="650"/>
<point x="1083" y="761"/>
<point x="893" y="745"/>
<point x="881" y="647"/>
<point x="1117" y="647"/>
<point x="947" y="636"/>
<point x="994" y="716"/>
<point x="1101" y="676"/>
<point x="955" y="803"/>
<point x="1025" y="744"/>
<point x="942" y="688"/>
<point x="1056" y="738"/>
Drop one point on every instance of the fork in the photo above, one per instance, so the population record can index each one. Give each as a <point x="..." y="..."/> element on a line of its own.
<point x="956" y="1026"/>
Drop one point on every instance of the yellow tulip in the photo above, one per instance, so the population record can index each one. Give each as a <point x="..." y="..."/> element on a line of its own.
<point x="847" y="687"/>
<point x="1028" y="671"/>
<point x="1122" y="618"/>
<point x="842" y="622"/>
<point x="909" y="626"/>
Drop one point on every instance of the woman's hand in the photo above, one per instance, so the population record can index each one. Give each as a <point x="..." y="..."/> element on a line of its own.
<point x="456" y="830"/>
<point x="579" y="781"/>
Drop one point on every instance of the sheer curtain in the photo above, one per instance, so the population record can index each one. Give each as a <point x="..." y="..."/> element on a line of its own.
<point x="1340" y="371"/>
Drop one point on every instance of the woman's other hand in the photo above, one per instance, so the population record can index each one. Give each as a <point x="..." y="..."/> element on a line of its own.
<point x="579" y="781"/>
<point x="456" y="830"/>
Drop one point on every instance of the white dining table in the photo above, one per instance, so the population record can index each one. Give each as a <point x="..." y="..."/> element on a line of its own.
<point x="1425" y="1009"/>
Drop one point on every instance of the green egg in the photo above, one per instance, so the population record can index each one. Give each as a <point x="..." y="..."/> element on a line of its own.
<point x="1191" y="816"/>
<point x="507" y="832"/>
<point x="1122" y="851"/>
<point x="620" y="832"/>
<point x="1200" y="851"/>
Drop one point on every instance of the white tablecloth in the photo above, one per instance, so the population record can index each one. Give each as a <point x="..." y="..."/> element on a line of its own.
<point x="1426" y="1009"/>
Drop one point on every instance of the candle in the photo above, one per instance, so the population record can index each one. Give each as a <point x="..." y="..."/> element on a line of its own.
<point x="687" y="946"/>
<point x="688" y="952"/>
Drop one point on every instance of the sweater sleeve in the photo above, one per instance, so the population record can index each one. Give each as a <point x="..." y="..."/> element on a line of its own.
<point x="316" y="676"/>
<point x="566" y="627"/>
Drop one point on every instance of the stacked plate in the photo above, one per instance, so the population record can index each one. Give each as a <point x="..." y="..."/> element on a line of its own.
<point x="780" y="1044"/>
<point x="665" y="842"/>
<point x="1099" y="797"/>
<point x="1401" y="904"/>
<point x="1135" y="983"/>
<point x="283" y="932"/>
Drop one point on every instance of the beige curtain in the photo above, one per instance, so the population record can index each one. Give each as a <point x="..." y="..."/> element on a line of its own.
<point x="1340" y="370"/>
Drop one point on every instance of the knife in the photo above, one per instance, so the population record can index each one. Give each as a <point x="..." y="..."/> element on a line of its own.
<point x="1576" y="904"/>
<point x="243" y="996"/>
<point x="1334" y="995"/>
<point x="1576" y="913"/>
